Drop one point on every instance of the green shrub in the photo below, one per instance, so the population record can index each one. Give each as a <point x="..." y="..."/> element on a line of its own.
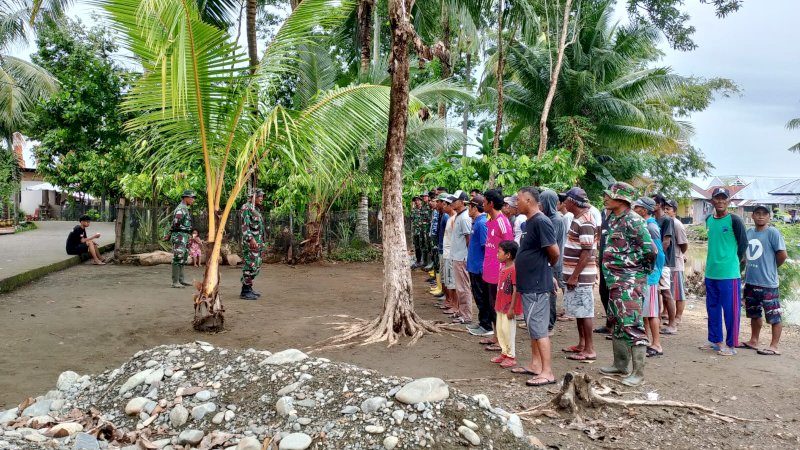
<point x="352" y="254"/>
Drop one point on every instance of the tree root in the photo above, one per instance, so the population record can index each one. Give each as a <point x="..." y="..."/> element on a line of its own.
<point x="579" y="392"/>
<point x="208" y="312"/>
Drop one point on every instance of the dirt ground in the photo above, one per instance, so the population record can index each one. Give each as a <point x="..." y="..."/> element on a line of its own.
<point x="90" y="319"/>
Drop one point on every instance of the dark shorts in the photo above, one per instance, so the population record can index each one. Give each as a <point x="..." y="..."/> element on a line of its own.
<point x="78" y="249"/>
<point x="757" y="298"/>
<point x="536" y="308"/>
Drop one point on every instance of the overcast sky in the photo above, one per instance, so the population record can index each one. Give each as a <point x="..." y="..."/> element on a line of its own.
<point x="757" y="47"/>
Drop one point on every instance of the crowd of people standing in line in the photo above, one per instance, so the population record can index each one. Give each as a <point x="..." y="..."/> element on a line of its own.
<point x="511" y="255"/>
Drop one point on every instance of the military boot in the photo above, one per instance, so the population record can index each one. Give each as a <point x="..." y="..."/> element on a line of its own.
<point x="621" y="359"/>
<point x="176" y="276"/>
<point x="437" y="291"/>
<point x="247" y="293"/>
<point x="638" y="354"/>
<point x="255" y="292"/>
<point x="180" y="277"/>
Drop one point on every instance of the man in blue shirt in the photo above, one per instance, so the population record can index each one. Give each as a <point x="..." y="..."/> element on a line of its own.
<point x="477" y="249"/>
<point x="766" y="251"/>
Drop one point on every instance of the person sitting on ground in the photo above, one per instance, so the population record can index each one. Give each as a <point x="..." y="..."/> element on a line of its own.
<point x="507" y="306"/>
<point x="79" y="244"/>
<point x="766" y="251"/>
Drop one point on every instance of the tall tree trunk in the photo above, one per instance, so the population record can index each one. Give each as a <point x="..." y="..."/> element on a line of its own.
<point x="365" y="31"/>
<point x="548" y="101"/>
<point x="376" y="35"/>
<point x="498" y="126"/>
<point x="312" y="245"/>
<point x="465" y="121"/>
<point x="447" y="70"/>
<point x="252" y="44"/>
<point x="362" y="219"/>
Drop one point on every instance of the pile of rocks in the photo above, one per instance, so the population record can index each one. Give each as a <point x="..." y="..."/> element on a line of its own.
<point x="200" y="396"/>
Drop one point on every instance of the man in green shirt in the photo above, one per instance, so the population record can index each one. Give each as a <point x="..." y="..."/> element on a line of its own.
<point x="727" y="243"/>
<point x="252" y="243"/>
<point x="179" y="235"/>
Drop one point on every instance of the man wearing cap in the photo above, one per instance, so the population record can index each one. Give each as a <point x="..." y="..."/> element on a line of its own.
<point x="677" y="283"/>
<point x="416" y="230"/>
<point x="448" y="279"/>
<point x="580" y="271"/>
<point x="727" y="244"/>
<point x="651" y="311"/>
<point x="628" y="258"/>
<point x="666" y="225"/>
<point x="441" y="223"/>
<point x="766" y="251"/>
<point x="475" y="258"/>
<point x="517" y="219"/>
<point x="180" y="232"/>
<point x="459" y="250"/>
<point x="252" y="226"/>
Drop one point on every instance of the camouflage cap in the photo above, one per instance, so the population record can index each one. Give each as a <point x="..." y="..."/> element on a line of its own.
<point x="621" y="191"/>
<point x="188" y="193"/>
<point x="258" y="193"/>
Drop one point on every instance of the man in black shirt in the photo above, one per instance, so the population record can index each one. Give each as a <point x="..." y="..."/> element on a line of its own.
<point x="79" y="244"/>
<point x="538" y="253"/>
<point x="667" y="227"/>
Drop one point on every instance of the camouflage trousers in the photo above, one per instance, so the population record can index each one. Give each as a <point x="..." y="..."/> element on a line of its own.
<point x="252" y="264"/>
<point x="625" y="305"/>
<point x="180" y="248"/>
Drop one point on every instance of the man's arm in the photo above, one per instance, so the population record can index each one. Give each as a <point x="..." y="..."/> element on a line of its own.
<point x="740" y="233"/>
<point x="780" y="257"/>
<point x="582" y="261"/>
<point x="552" y="254"/>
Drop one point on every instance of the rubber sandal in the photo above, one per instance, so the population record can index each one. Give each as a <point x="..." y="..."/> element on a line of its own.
<point x="653" y="352"/>
<point x="508" y="363"/>
<point x="523" y="371"/>
<point x="727" y="351"/>
<point x="746" y="345"/>
<point x="667" y="332"/>
<point x="600" y="330"/>
<point x="710" y="346"/>
<point x="572" y="349"/>
<point x="768" y="352"/>
<point x="487" y="342"/>
<point x="492" y="348"/>
<point x="532" y="382"/>
<point x="581" y="357"/>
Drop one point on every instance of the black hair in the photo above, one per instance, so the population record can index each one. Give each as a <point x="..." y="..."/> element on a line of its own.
<point x="474" y="191"/>
<point x="85" y="218"/>
<point x="441" y="189"/>
<point x="533" y="191"/>
<point x="495" y="197"/>
<point x="510" y="247"/>
<point x="415" y="198"/>
<point x="660" y="200"/>
<point x="478" y="207"/>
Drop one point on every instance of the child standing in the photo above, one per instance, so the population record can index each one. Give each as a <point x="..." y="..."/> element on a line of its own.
<point x="195" y="247"/>
<point x="507" y="305"/>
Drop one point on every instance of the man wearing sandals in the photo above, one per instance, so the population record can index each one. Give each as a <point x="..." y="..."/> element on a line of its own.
<point x="766" y="251"/>
<point x="627" y="260"/>
<point x="727" y="243"/>
<point x="538" y="253"/>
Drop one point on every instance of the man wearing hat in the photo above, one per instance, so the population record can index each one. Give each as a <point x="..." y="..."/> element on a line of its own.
<point x="628" y="258"/>
<point x="517" y="219"/>
<point x="727" y="244"/>
<point x="252" y="225"/>
<point x="459" y="250"/>
<point x="180" y="232"/>
<point x="651" y="310"/>
<point x="766" y="251"/>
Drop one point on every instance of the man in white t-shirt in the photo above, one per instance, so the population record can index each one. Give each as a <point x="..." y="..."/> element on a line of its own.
<point x="510" y="210"/>
<point x="677" y="283"/>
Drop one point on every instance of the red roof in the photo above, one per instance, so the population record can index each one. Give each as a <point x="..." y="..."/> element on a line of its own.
<point x="707" y="192"/>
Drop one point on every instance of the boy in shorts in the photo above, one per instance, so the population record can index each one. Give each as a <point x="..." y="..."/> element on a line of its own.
<point x="766" y="251"/>
<point x="507" y="306"/>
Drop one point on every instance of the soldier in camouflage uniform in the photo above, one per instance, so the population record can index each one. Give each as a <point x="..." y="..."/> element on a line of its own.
<point x="416" y="223"/>
<point x="179" y="235"/>
<point x="425" y="225"/>
<point x="252" y="243"/>
<point x="628" y="257"/>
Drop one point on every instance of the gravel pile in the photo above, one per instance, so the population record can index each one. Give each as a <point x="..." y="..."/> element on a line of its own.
<point x="197" y="396"/>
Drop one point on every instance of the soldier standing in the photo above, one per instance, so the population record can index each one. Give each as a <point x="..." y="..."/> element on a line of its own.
<point x="252" y="244"/>
<point x="179" y="232"/>
<point x="416" y="222"/>
<point x="425" y="226"/>
<point x="628" y="257"/>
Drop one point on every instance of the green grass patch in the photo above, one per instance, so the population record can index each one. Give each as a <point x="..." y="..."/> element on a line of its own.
<point x="356" y="254"/>
<point x="26" y="226"/>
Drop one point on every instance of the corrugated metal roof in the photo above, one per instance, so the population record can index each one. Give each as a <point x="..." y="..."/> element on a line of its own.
<point x="792" y="188"/>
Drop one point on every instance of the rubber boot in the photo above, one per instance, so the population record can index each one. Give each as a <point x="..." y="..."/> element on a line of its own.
<point x="255" y="292"/>
<point x="180" y="277"/>
<point x="176" y="276"/>
<point x="247" y="293"/>
<point x="437" y="291"/>
<point x="621" y="359"/>
<point x="638" y="354"/>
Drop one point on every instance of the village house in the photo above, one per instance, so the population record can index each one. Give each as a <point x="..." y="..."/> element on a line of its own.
<point x="781" y="194"/>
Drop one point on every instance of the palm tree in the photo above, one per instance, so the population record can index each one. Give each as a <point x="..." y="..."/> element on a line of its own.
<point x="794" y="124"/>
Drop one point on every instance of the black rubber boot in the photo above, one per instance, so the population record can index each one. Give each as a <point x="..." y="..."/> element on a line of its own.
<point x="247" y="293"/>
<point x="255" y="292"/>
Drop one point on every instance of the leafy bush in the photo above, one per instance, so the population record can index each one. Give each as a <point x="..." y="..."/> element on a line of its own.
<point x="353" y="254"/>
<point x="697" y="232"/>
<point x="26" y="226"/>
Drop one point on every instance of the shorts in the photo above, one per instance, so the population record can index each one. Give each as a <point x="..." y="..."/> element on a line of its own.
<point x="579" y="302"/>
<point x="79" y="249"/>
<point x="650" y="306"/>
<point x="663" y="283"/>
<point x="677" y="286"/>
<point x="536" y="310"/>
<point x="448" y="280"/>
<point x="757" y="298"/>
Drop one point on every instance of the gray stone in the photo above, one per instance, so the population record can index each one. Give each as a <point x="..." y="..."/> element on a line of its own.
<point x="289" y="389"/>
<point x="295" y="441"/>
<point x="350" y="409"/>
<point x="151" y="363"/>
<point x="373" y="404"/>
<point x="178" y="416"/>
<point x="470" y="424"/>
<point x="412" y="418"/>
<point x="284" y="406"/>
<point x="134" y="381"/>
<point x="8" y="416"/>
<point x="155" y="376"/>
<point x="200" y="411"/>
<point x="192" y="437"/>
<point x="85" y="441"/>
<point x="54" y="395"/>
<point x="174" y="353"/>
<point x="56" y="405"/>
<point x="469" y="435"/>
<point x="374" y="429"/>
<point x="135" y="406"/>
<point x="304" y="421"/>
<point x="306" y="403"/>
<point x="229" y="415"/>
<point x="249" y="443"/>
<point x="398" y="415"/>
<point x="287" y="356"/>
<point x="40" y="408"/>
<point x="66" y="380"/>
<point x="423" y="390"/>
<point x="515" y="426"/>
<point x="203" y="396"/>
<point x="161" y="443"/>
<point x="218" y="418"/>
<point x="483" y="401"/>
<point x="390" y="442"/>
<point x="35" y="437"/>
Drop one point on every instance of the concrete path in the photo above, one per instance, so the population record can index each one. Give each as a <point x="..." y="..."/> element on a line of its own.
<point x="32" y="254"/>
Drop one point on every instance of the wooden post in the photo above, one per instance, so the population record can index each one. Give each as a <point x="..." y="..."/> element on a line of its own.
<point x="119" y="228"/>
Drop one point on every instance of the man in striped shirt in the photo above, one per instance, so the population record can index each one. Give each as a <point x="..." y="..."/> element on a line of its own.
<point x="580" y="272"/>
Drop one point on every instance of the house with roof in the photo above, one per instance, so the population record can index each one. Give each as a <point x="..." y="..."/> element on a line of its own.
<point x="780" y="194"/>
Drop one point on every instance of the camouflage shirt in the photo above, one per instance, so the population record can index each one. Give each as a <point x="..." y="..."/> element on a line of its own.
<point x="252" y="223"/>
<point x="182" y="219"/>
<point x="628" y="254"/>
<point x="425" y="218"/>
<point x="416" y="221"/>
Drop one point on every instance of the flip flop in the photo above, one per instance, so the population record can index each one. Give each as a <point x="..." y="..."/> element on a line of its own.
<point x="665" y="331"/>
<point x="710" y="346"/>
<point x="653" y="352"/>
<point x="486" y="342"/>
<point x="600" y="330"/>
<point x="532" y="382"/>
<point x="768" y="352"/>
<point x="746" y="345"/>
<point x="492" y="348"/>
<point x="523" y="371"/>
<point x="727" y="351"/>
<point x="581" y="357"/>
<point x="572" y="349"/>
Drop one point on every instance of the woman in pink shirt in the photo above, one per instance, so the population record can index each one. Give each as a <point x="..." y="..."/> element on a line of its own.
<point x="498" y="230"/>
